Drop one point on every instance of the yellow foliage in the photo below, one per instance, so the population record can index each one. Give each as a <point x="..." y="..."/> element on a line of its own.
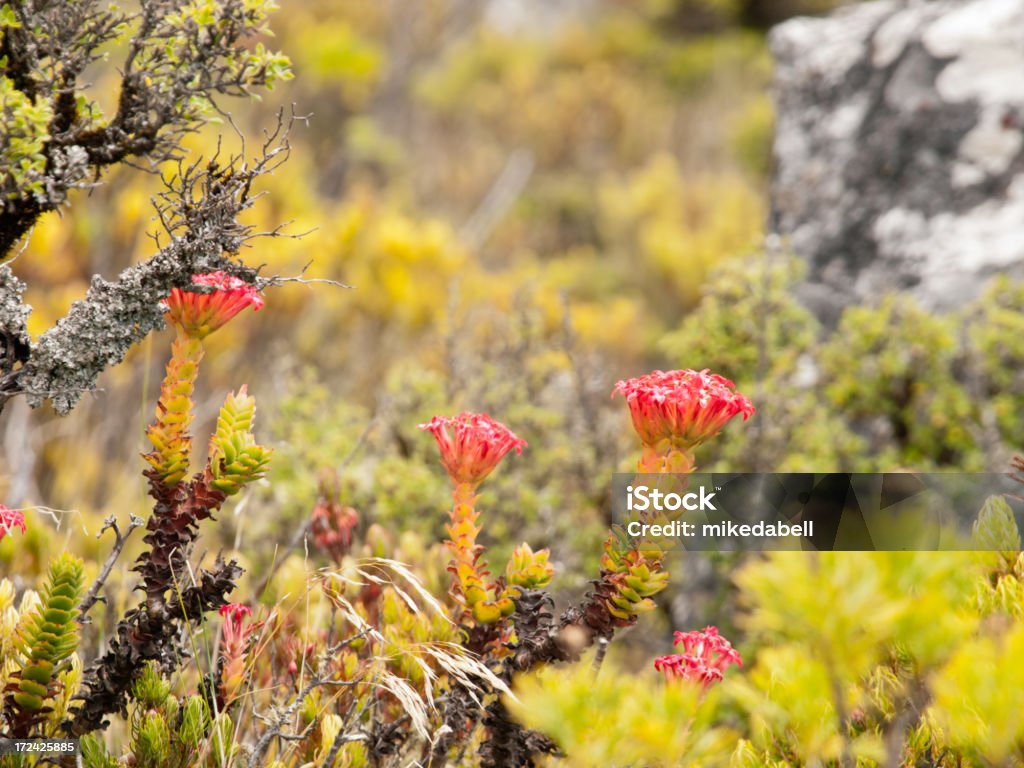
<point x="401" y="268"/>
<point x="979" y="696"/>
<point x="848" y="608"/>
<point x="792" y="696"/>
<point x="680" y="229"/>
<point x="617" y="720"/>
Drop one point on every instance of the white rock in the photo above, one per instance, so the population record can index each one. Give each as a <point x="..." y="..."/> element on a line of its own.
<point x="900" y="148"/>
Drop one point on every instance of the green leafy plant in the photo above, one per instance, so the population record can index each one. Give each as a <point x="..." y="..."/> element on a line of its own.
<point x="45" y="638"/>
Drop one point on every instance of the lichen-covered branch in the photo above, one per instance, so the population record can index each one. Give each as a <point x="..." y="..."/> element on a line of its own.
<point x="199" y="212"/>
<point x="14" y="338"/>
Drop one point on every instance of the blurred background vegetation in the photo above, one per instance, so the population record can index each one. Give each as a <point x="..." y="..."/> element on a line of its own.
<point x="530" y="200"/>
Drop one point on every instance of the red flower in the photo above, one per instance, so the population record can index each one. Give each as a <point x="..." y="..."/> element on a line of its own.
<point x="199" y="314"/>
<point x="234" y="613"/>
<point x="686" y="407"/>
<point x="233" y="649"/>
<point x="9" y="520"/>
<point x="706" y="656"/>
<point x="472" y="444"/>
<point x="332" y="524"/>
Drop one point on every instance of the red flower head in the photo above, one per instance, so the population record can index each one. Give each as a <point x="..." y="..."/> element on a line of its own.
<point x="332" y="526"/>
<point x="197" y="315"/>
<point x="9" y="520"/>
<point x="705" y="657"/>
<point x="686" y="407"/>
<point x="472" y="444"/>
<point x="233" y="614"/>
<point x="234" y="648"/>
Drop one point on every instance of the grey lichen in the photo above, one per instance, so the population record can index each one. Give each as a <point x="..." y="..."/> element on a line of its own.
<point x="14" y="339"/>
<point x="199" y="212"/>
<point x="100" y="329"/>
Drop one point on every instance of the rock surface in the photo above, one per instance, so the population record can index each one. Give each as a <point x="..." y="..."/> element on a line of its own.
<point x="899" y="149"/>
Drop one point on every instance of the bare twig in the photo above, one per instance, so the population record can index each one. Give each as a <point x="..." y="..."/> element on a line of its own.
<point x="341" y="740"/>
<point x="276" y="730"/>
<point x="25" y="240"/>
<point x="1017" y="469"/>
<point x="120" y="539"/>
<point x="269" y="282"/>
<point x="586" y="412"/>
